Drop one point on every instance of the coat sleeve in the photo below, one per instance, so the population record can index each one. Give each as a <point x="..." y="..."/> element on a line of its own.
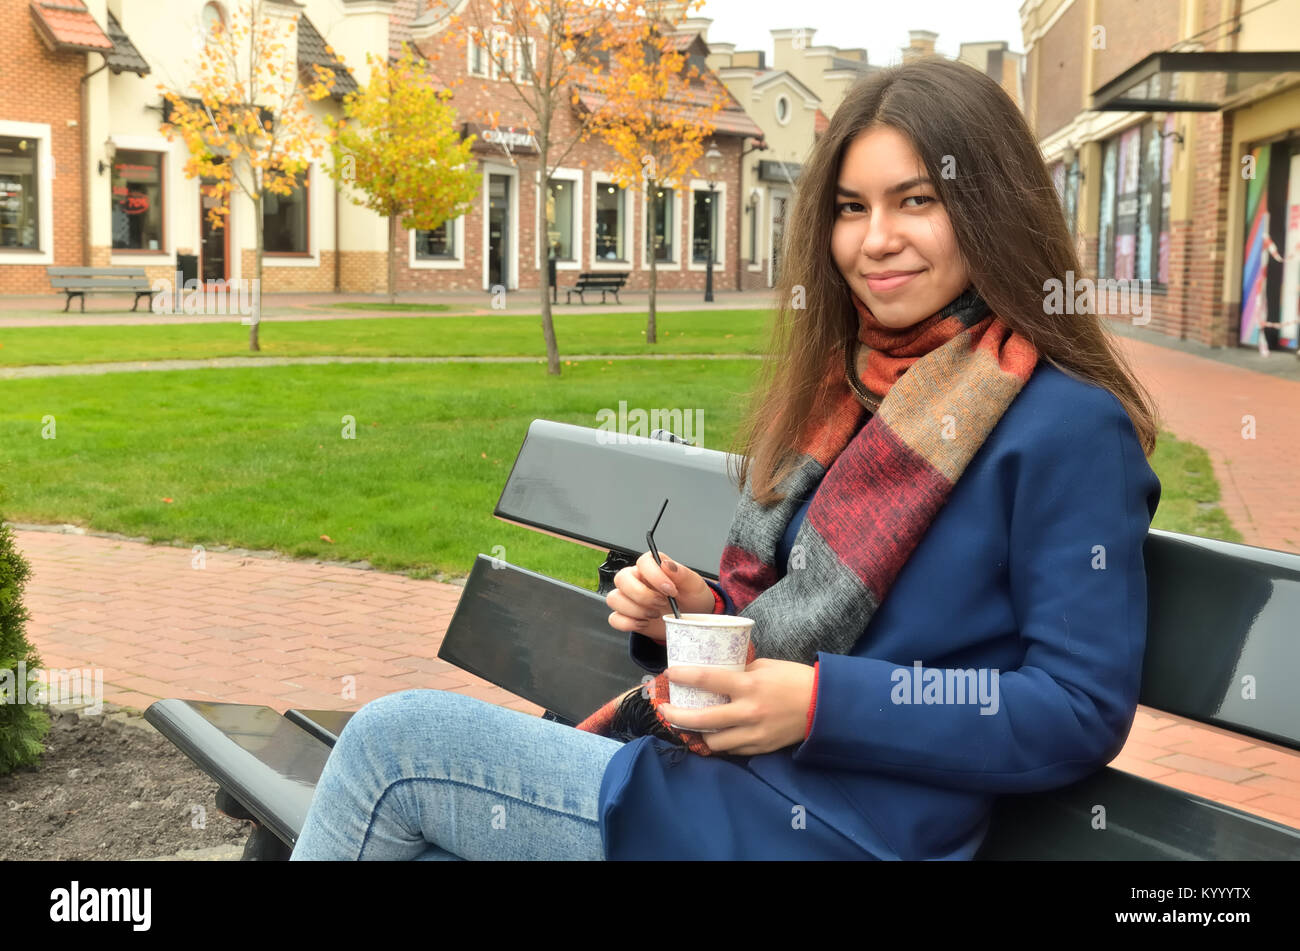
<point x="1083" y="500"/>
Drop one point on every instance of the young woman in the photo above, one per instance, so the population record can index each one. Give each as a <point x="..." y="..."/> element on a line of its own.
<point x="929" y="429"/>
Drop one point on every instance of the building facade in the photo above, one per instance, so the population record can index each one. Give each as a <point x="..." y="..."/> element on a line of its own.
<point x="87" y="177"/>
<point x="1172" y="129"/>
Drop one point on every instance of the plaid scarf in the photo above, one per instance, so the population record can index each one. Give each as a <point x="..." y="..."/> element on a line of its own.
<point x="945" y="383"/>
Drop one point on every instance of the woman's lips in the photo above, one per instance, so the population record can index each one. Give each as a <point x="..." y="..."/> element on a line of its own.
<point x="884" y="284"/>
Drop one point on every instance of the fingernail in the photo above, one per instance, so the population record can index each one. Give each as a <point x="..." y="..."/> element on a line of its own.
<point x="669" y="589"/>
<point x="669" y="565"/>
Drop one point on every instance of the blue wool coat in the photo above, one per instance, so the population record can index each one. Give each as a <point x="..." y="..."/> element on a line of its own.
<point x="1033" y="570"/>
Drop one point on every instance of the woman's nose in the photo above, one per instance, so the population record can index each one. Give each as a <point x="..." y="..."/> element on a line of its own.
<point x="880" y="237"/>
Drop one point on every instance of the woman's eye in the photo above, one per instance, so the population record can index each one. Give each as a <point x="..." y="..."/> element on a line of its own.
<point x="839" y="209"/>
<point x="919" y="198"/>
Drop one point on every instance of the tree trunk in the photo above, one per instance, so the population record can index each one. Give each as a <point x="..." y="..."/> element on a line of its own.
<point x="654" y="258"/>
<point x="548" y="325"/>
<point x="253" y="343"/>
<point x="392" y="259"/>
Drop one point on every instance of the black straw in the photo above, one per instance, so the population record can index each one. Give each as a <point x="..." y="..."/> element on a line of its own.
<point x="650" y="540"/>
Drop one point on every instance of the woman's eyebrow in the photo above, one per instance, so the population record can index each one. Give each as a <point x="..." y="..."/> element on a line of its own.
<point x="891" y="190"/>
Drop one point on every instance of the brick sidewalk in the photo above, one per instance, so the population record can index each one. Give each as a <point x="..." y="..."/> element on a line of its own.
<point x="286" y="633"/>
<point x="1204" y="401"/>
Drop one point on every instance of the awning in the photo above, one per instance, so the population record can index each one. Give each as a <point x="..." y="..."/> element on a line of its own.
<point x="124" y="58"/>
<point x="68" y="25"/>
<point x="1191" y="81"/>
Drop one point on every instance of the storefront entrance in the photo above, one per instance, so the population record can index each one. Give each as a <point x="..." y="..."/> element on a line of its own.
<point x="498" y="231"/>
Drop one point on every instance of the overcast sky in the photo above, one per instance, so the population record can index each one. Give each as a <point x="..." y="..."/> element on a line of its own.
<point x="880" y="27"/>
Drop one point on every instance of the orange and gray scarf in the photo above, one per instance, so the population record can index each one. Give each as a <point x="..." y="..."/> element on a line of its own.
<point x="945" y="383"/>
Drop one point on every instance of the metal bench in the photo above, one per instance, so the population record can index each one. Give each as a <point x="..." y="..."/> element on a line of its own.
<point x="80" y="281"/>
<point x="610" y="282"/>
<point x="1214" y="608"/>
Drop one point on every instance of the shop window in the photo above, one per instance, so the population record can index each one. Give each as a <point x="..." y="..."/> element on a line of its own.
<point x="137" y="196"/>
<point x="18" y="194"/>
<point x="559" y="218"/>
<point x="285" y="220"/>
<point x="610" y="202"/>
<point x="662" y="238"/>
<point x="437" y="244"/>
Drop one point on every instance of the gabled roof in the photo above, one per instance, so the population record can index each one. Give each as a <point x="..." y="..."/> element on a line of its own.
<point x="314" y="51"/>
<point x="68" y="25"/>
<point x="124" y="58"/>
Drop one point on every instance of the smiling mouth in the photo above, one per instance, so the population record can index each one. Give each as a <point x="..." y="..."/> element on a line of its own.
<point x="882" y="284"/>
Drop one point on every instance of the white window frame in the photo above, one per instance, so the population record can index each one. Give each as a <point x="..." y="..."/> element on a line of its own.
<point x="760" y="240"/>
<point x="599" y="264"/>
<point x="500" y="42"/>
<point x="44" y="198"/>
<point x="575" y="177"/>
<point x="512" y="191"/>
<point x="470" y="47"/>
<point x="172" y="186"/>
<point x="644" y="232"/>
<point x="772" y="195"/>
<point x="789" y="109"/>
<point x="719" y="249"/>
<point x="529" y="43"/>
<point x="456" y="263"/>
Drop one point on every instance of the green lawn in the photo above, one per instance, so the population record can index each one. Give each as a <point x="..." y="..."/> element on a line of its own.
<point x="256" y="458"/>
<point x="709" y="331"/>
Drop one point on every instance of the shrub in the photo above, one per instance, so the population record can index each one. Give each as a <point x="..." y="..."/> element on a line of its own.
<point x="22" y="725"/>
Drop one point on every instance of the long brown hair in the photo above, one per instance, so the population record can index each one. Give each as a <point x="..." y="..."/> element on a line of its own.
<point x="1008" y="225"/>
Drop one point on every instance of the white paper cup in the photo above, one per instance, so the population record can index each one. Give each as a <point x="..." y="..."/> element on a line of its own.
<point x="705" y="640"/>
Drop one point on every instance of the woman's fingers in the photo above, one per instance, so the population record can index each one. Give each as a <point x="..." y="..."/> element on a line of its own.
<point x="654" y="576"/>
<point x="654" y="606"/>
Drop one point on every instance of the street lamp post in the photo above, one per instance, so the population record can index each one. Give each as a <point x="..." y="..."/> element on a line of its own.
<point x="712" y="160"/>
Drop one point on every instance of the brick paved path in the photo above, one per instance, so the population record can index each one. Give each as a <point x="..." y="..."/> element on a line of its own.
<point x="286" y="633"/>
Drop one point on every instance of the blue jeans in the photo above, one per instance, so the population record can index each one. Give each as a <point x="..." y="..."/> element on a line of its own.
<point x="429" y="774"/>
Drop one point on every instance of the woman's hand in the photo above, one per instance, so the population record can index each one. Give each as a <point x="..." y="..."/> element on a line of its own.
<point x="641" y="593"/>
<point x="768" y="709"/>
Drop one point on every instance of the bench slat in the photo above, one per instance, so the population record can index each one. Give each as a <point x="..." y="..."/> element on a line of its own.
<point x="76" y="283"/>
<point x="565" y="481"/>
<point x="95" y="271"/>
<point x="268" y="764"/>
<point x="1144" y="821"/>
<point x="544" y="640"/>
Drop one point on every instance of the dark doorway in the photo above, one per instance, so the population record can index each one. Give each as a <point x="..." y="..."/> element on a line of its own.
<point x="498" y="230"/>
<point x="214" y="258"/>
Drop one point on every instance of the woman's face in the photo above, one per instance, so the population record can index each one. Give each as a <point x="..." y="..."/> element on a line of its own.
<point x="888" y="219"/>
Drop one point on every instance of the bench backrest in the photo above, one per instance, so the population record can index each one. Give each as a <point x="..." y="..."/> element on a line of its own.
<point x="97" y="272"/>
<point x="1221" y="633"/>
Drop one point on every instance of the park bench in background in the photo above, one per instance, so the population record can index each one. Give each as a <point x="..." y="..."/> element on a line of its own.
<point x="1216" y="612"/>
<point x="80" y="281"/>
<point x="607" y="282"/>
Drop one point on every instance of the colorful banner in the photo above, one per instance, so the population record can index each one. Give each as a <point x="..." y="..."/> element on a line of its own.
<point x="1254" y="265"/>
<point x="1289" y="311"/>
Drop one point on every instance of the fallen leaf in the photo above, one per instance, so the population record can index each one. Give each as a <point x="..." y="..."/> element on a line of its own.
<point x="167" y="500"/>
<point x="326" y="538"/>
<point x="482" y="455"/>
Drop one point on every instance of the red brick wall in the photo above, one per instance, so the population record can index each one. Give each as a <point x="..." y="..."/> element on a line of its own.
<point x="37" y="85"/>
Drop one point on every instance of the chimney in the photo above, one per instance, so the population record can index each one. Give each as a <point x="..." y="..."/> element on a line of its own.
<point x="920" y="43"/>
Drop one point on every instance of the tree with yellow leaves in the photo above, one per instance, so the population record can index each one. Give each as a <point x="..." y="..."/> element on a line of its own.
<point x="398" y="145"/>
<point x="655" y="111"/>
<point x="541" y="47"/>
<point x="245" y="118"/>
